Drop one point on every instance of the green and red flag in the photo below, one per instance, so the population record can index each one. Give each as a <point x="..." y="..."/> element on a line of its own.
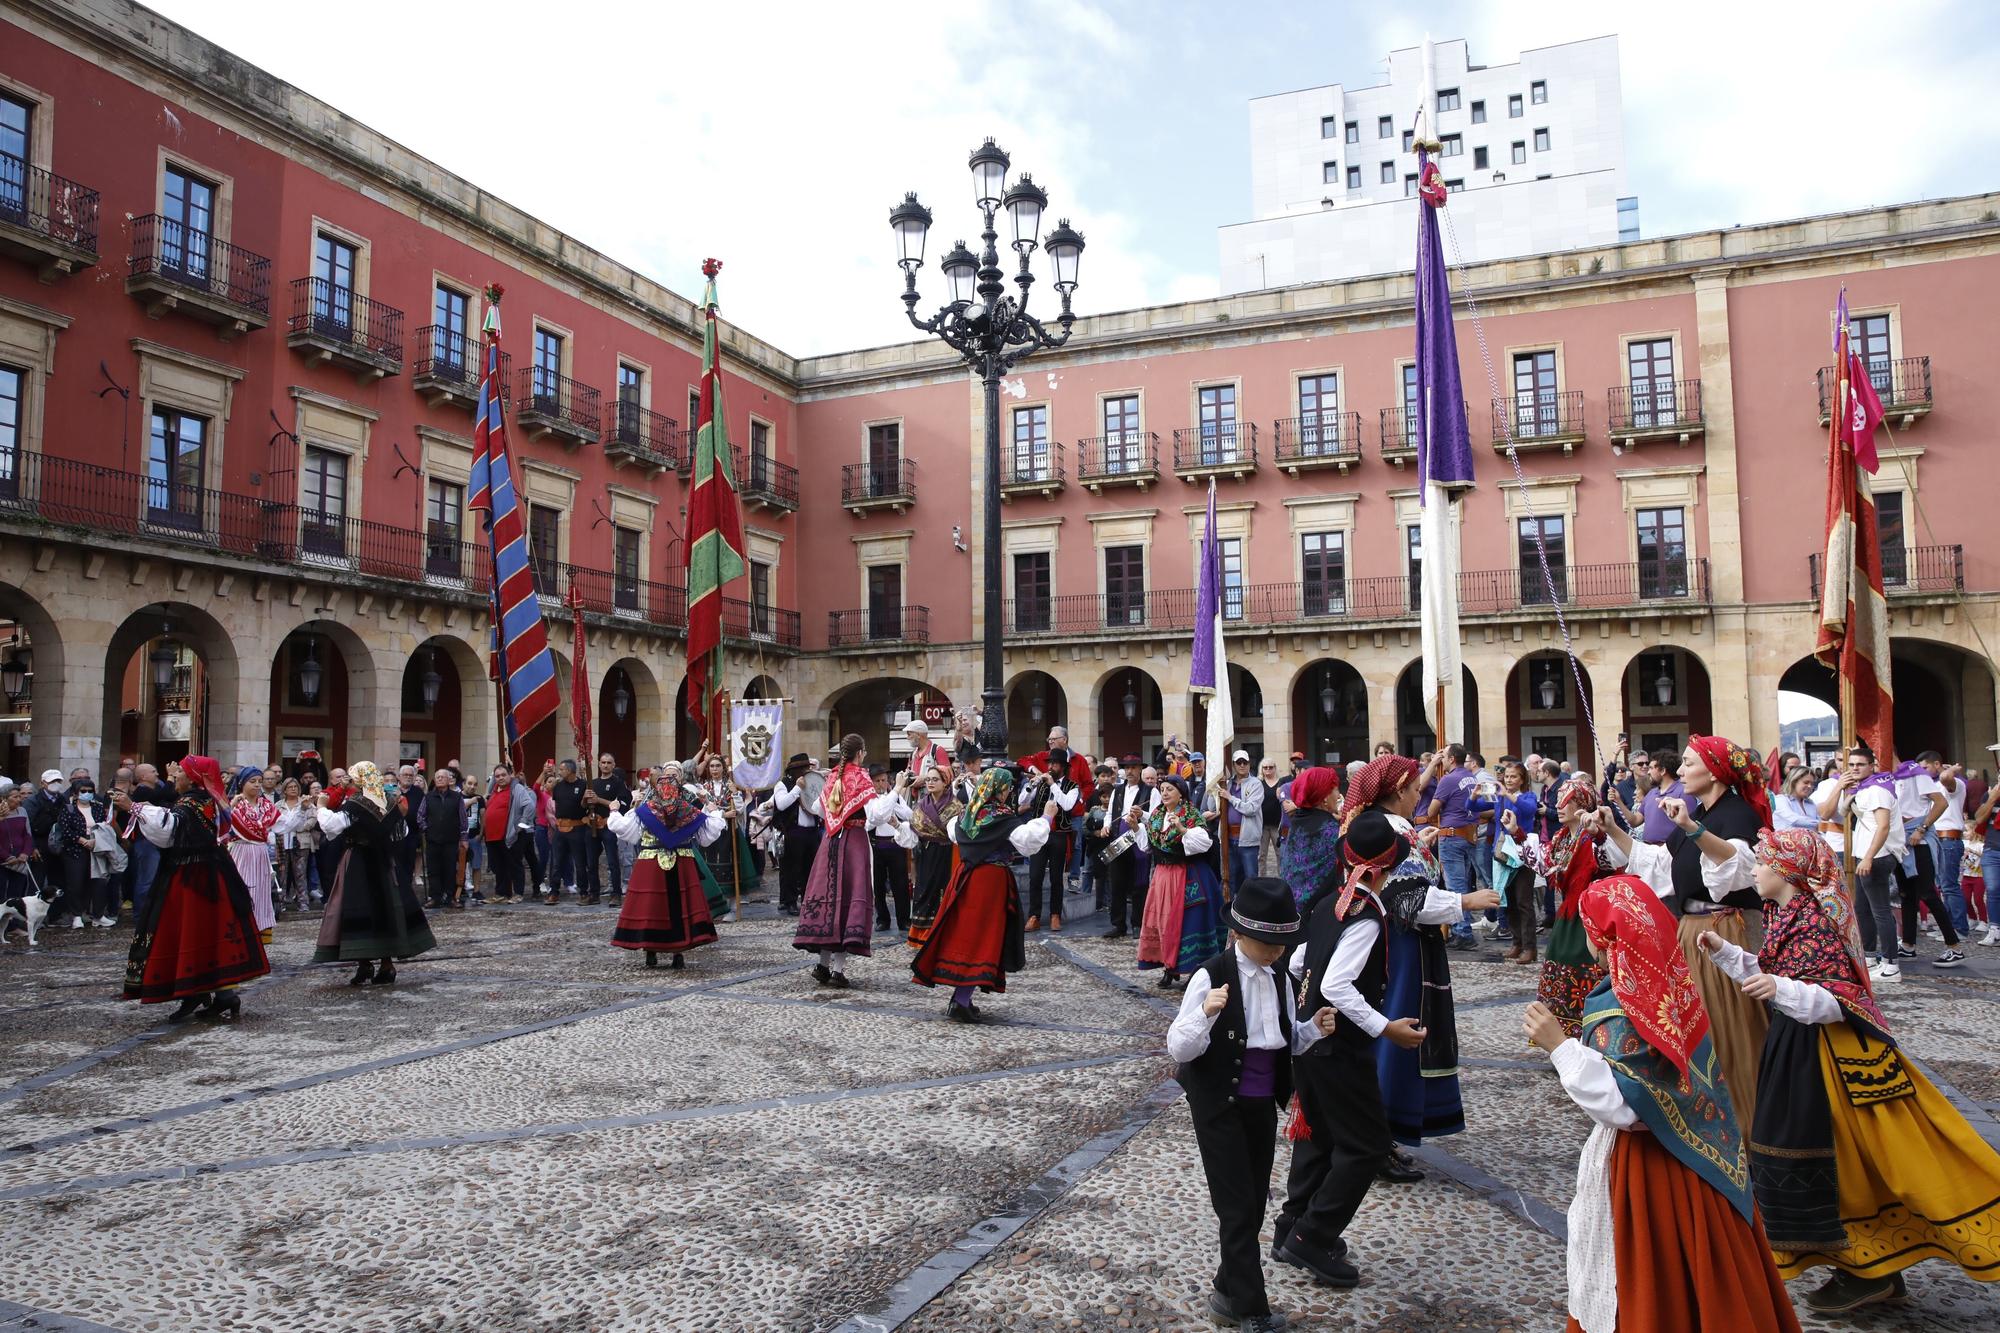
<point x="715" y="526"/>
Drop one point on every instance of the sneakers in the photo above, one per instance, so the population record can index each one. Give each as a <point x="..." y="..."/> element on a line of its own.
<point x="105" y="921"/>
<point x="1905" y="951"/>
<point x="1844" y="1291"/>
<point x="76" y="923"/>
<point x="1884" y="970"/>
<point x="1992" y="937"/>
<point x="1490" y="927"/>
<point x="1949" y="958"/>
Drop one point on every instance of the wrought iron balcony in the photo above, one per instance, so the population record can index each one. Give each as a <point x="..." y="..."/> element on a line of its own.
<point x="1122" y="458"/>
<point x="619" y="594"/>
<point x="448" y="367"/>
<point x="1655" y="410"/>
<point x="1228" y="450"/>
<point x="889" y="485"/>
<point x="556" y="405"/>
<point x="1910" y="571"/>
<point x="174" y="268"/>
<point x="763" y="480"/>
<point x="47" y="220"/>
<point x="878" y="624"/>
<point x="1538" y="419"/>
<point x="757" y="622"/>
<point x="1317" y="440"/>
<point x="1903" y="385"/>
<point x="1039" y="472"/>
<point x="641" y="438"/>
<point x="332" y="323"/>
<point x="1399" y="434"/>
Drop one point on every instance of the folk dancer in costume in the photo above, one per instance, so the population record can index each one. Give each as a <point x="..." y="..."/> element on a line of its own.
<point x="1309" y="859"/>
<point x="1124" y="807"/>
<point x="1705" y="872"/>
<point x="246" y="833"/>
<point x="1184" y="921"/>
<point x="1570" y="862"/>
<point x="1234" y="1039"/>
<point x="371" y="920"/>
<point x="930" y="819"/>
<point x="1340" y="1132"/>
<point x="1857" y="1162"/>
<point x="795" y="801"/>
<point x="666" y="903"/>
<point x="976" y="939"/>
<point x="196" y="938"/>
<point x="1420" y="1092"/>
<point x="890" y="841"/>
<point x="729" y="859"/>
<point x="1663" y="1234"/>
<point x="1067" y="776"/>
<point x="836" y="915"/>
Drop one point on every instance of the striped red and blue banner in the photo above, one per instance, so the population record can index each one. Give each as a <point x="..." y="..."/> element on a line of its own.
<point x="523" y="664"/>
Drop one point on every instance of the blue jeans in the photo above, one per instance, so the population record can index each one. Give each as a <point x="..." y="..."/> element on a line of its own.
<point x="1457" y="857"/>
<point x="1989" y="866"/>
<point x="145" y="865"/>
<point x="1242" y="866"/>
<point x="1949" y="853"/>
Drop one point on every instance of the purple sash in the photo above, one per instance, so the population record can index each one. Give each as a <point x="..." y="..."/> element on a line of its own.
<point x="670" y="839"/>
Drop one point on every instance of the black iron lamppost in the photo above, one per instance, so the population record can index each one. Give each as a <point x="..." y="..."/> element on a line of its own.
<point x="991" y="331"/>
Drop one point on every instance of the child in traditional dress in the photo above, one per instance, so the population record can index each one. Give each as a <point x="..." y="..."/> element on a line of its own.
<point x="1569" y="862"/>
<point x="1663" y="1234"/>
<point x="1857" y="1162"/>
<point x="1184" y="918"/>
<point x="1236" y="1078"/>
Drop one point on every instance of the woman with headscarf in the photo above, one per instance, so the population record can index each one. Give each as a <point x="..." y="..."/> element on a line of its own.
<point x="1858" y="1163"/>
<point x="666" y="903"/>
<point x="1184" y="921"/>
<point x="1705" y="872"/>
<point x="1309" y="857"/>
<point x="197" y="937"/>
<point x="1663" y="1233"/>
<point x="252" y="816"/>
<point x="371" y="920"/>
<point x="1419" y="1087"/>
<point x="976" y="939"/>
<point x="1569" y="862"/>
<point x="931" y="817"/>
<point x="837" y="913"/>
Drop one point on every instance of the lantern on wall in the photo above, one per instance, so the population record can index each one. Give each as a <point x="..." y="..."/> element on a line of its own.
<point x="621" y="699"/>
<point x="1548" y="693"/>
<point x="1329" y="698"/>
<point x="432" y="682"/>
<point x="14" y="675"/>
<point x="1131" y="701"/>
<point x="1037" y="707"/>
<point x="311" y="673"/>
<point x="1663" y="683"/>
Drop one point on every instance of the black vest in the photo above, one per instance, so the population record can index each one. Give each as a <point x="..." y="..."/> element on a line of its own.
<point x="1216" y="1072"/>
<point x="1323" y="932"/>
<point x="792" y="818"/>
<point x="1730" y="817"/>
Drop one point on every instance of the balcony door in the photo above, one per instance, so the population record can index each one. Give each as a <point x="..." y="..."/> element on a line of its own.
<point x="13" y="381"/>
<point x="1323" y="570"/>
<point x="1536" y="535"/>
<point x="1031" y="592"/>
<point x="334" y="262"/>
<point x="323" y="503"/>
<point x="1535" y="401"/>
<point x="885" y="602"/>
<point x="1408" y="432"/>
<point x="626" y="544"/>
<point x="1889" y="533"/>
<point x="444" y="522"/>
<point x="16" y="120"/>
<point x="1662" y="552"/>
<point x="885" y="459"/>
<point x="1870" y="337"/>
<point x="760" y="600"/>
<point x="187" y="221"/>
<point x="547" y="385"/>
<point x="631" y="388"/>
<point x="1649" y="378"/>
<point x="1319" y="414"/>
<point x="760" y="456"/>
<point x="1124" y="585"/>
<point x="452" y="352"/>
<point x="175" y="456"/>
<point x="1031" y="444"/>
<point x="545" y="547"/>
<point x="1216" y="407"/>
<point x="1121" y="435"/>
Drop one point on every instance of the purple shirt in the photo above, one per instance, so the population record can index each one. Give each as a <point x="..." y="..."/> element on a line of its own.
<point x="1455" y="789"/>
<point x="1658" y="827"/>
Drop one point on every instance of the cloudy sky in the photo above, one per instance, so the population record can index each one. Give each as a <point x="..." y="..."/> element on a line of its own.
<point x="776" y="134"/>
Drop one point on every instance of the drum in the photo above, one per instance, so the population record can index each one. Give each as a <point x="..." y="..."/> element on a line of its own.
<point x="1118" y="846"/>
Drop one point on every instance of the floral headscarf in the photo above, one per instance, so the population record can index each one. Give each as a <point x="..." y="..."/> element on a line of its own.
<point x="991" y="799"/>
<point x="366" y="780"/>
<point x="1732" y="766"/>
<point x="1626" y="922"/>
<point x="669" y="800"/>
<point x="1381" y="777"/>
<point x="1815" y="937"/>
<point x="1576" y="794"/>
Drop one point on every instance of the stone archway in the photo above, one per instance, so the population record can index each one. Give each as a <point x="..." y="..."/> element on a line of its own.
<point x="1666" y="700"/>
<point x="171" y="668"/>
<point x="635" y="736"/>
<point x="876" y="710"/>
<point x="1035" y="702"/>
<point x="43" y="689"/>
<point x="1544" y="715"/>
<point x="1416" y="730"/>
<point x="1330" y="712"/>
<point x="344" y="714"/>
<point x="1944" y="697"/>
<point x="1130" y="713"/>
<point x="461" y="723"/>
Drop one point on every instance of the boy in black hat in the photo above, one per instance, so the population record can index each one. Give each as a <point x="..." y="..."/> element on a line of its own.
<point x="1234" y="1039"/>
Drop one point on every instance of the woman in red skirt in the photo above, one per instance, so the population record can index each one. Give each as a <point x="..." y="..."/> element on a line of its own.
<point x="666" y="905"/>
<point x="197" y="939"/>
<point x="976" y="939"/>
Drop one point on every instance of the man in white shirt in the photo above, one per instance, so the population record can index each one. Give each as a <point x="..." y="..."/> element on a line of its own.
<point x="1948" y="837"/>
<point x="792" y="801"/>
<point x="1920" y="800"/>
<point x="1878" y="845"/>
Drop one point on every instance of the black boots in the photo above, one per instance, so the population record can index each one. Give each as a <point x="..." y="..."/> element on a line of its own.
<point x="187" y="1008"/>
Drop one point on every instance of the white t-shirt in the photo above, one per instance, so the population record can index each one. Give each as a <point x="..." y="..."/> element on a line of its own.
<point x="1835" y="838"/>
<point x="1913" y="796"/>
<point x="1953" y="818"/>
<point x="1865" y="806"/>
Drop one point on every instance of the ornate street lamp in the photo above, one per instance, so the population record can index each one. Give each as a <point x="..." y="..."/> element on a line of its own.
<point x="1663" y="684"/>
<point x="166" y="655"/>
<point x="310" y="673"/>
<point x="621" y="698"/>
<point x="14" y="675"/>
<point x="991" y="331"/>
<point x="432" y="682"/>
<point x="1131" y="702"/>
<point x="1327" y="698"/>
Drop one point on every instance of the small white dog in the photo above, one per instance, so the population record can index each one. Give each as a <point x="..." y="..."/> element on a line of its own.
<point x="30" y="910"/>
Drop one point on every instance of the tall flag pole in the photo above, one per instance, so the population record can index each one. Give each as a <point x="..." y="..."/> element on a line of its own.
<point x="1209" y="673"/>
<point x="1444" y="445"/>
<point x="714" y="534"/>
<point x="524" y="670"/>
<point x="1853" y="610"/>
<point x="579" y="680"/>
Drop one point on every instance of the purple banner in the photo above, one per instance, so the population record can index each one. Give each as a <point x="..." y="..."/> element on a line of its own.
<point x="1444" y="446"/>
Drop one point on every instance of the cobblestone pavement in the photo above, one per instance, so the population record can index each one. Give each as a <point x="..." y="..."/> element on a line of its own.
<point x="532" y="1132"/>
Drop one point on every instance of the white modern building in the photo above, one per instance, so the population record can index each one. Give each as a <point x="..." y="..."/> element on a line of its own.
<point x="1537" y="149"/>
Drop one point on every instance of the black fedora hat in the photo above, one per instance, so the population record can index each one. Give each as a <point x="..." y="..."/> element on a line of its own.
<point x="1264" y="910"/>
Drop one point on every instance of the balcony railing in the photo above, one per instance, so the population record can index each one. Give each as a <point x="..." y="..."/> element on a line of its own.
<point x="1655" y="407"/>
<point x="552" y="404"/>
<point x="762" y="479"/>
<point x="620" y="594"/>
<point x="1226" y="450"/>
<point x="1910" y="570"/>
<point x="1903" y="385"/>
<point x="1536" y="418"/>
<point x="1031" y="472"/>
<point x="173" y="267"/>
<point x="50" y="221"/>
<point x="760" y="622"/>
<point x="878" y="624"/>
<point x="449" y="364"/>
<point x="1320" y="439"/>
<point x="1497" y="591"/>
<point x="638" y="436"/>
<point x="879" y="485"/>
<point x="1399" y="433"/>
<point x="335" y="322"/>
<point x="1123" y="458"/>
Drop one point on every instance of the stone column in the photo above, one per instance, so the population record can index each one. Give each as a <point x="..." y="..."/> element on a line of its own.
<point x="67" y="712"/>
<point x="1728" y="658"/>
<point x="1606" y="671"/>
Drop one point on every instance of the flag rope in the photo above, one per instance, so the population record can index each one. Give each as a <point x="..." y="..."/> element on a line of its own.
<point x="1521" y="483"/>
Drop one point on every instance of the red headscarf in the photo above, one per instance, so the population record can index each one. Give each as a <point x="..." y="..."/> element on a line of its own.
<point x="1382" y="777"/>
<point x="1731" y="765"/>
<point x="1626" y="922"/>
<point x="1314" y="786"/>
<point x="205" y="774"/>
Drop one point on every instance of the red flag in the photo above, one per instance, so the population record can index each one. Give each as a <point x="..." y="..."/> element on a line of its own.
<point x="579" y="682"/>
<point x="715" y="531"/>
<point x="1854" y="612"/>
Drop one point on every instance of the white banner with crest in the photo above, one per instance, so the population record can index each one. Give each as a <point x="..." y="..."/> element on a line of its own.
<point x="756" y="733"/>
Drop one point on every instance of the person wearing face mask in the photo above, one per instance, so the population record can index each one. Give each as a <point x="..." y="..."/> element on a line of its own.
<point x="86" y="863"/>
